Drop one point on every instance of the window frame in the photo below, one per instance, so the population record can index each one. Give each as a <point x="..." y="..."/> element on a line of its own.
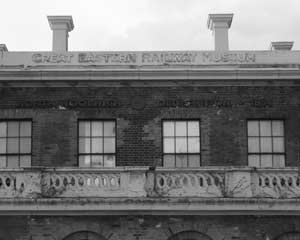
<point x="90" y="120"/>
<point x="186" y="153"/>
<point x="272" y="138"/>
<point x="19" y="120"/>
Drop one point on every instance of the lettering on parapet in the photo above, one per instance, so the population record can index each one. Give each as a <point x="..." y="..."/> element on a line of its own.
<point x="52" y="58"/>
<point x="146" y="58"/>
<point x="107" y="58"/>
<point x="168" y="58"/>
<point x="228" y="57"/>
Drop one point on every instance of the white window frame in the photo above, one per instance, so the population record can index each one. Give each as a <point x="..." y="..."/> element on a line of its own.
<point x="173" y="157"/>
<point x="15" y="143"/>
<point x="96" y="148"/>
<point x="260" y="141"/>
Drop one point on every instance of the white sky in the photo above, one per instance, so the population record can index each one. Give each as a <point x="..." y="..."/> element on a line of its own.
<point x="133" y="25"/>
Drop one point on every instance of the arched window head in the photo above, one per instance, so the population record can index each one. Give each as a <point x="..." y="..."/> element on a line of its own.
<point x="189" y="235"/>
<point x="84" y="235"/>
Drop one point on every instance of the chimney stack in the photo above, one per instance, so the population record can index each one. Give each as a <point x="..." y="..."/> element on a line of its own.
<point x="219" y="24"/>
<point x="3" y="48"/>
<point x="61" y="26"/>
<point x="283" y="46"/>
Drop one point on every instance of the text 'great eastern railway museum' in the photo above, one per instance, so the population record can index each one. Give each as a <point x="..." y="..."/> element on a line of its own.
<point x="177" y="145"/>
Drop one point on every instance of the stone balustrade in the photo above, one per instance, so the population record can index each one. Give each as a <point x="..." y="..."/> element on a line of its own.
<point x="113" y="182"/>
<point x="129" y="182"/>
<point x="183" y="183"/>
<point x="20" y="184"/>
<point x="278" y="184"/>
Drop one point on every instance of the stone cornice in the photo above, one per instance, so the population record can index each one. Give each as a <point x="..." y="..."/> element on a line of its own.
<point x="61" y="22"/>
<point x="202" y="76"/>
<point x="144" y="206"/>
<point x="214" y="19"/>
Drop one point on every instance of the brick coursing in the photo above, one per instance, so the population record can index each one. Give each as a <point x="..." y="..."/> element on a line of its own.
<point x="139" y="111"/>
<point x="147" y="227"/>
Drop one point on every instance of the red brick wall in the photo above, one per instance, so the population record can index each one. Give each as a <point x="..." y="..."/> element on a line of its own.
<point x="223" y="112"/>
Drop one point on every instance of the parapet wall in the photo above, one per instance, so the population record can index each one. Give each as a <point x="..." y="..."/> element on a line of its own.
<point x="149" y="58"/>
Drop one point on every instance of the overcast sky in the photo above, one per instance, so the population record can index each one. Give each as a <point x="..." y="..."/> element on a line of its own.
<point x="125" y="25"/>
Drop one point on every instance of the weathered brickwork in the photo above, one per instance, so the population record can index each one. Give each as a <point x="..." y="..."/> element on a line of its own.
<point x="148" y="227"/>
<point x="139" y="111"/>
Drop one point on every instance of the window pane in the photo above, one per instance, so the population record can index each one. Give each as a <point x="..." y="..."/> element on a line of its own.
<point x="2" y="145"/>
<point x="194" y="161"/>
<point x="253" y="160"/>
<point x="265" y="144"/>
<point x="253" y="128"/>
<point x="25" y="161"/>
<point x="193" y="128"/>
<point x="97" y="161"/>
<point x="13" y="161"/>
<point x="266" y="161"/>
<point x="181" y="145"/>
<point x="97" y="129"/>
<point x="84" y="129"/>
<point x="2" y="162"/>
<point x="97" y="145"/>
<point x="25" y="145"/>
<point x="180" y="128"/>
<point x="169" y="145"/>
<point x="109" y="161"/>
<point x="253" y="144"/>
<point x="277" y="128"/>
<point x="278" y="144"/>
<point x="84" y="145"/>
<point x="13" y="129"/>
<point x="12" y="145"/>
<point x="109" y="129"/>
<point x="109" y="145"/>
<point x="168" y="129"/>
<point x="3" y="126"/>
<point x="169" y="161"/>
<point x="181" y="160"/>
<point x="265" y="128"/>
<point x="193" y="145"/>
<point x="84" y="161"/>
<point x="25" y="129"/>
<point x="279" y="161"/>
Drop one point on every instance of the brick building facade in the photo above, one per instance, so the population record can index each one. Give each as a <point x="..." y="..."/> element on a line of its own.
<point x="150" y="145"/>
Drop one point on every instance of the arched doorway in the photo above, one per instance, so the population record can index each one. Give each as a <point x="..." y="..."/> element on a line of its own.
<point x="289" y="236"/>
<point x="84" y="235"/>
<point x="189" y="235"/>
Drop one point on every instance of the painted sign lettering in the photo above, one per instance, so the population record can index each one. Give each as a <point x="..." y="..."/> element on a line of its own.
<point x="143" y="58"/>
